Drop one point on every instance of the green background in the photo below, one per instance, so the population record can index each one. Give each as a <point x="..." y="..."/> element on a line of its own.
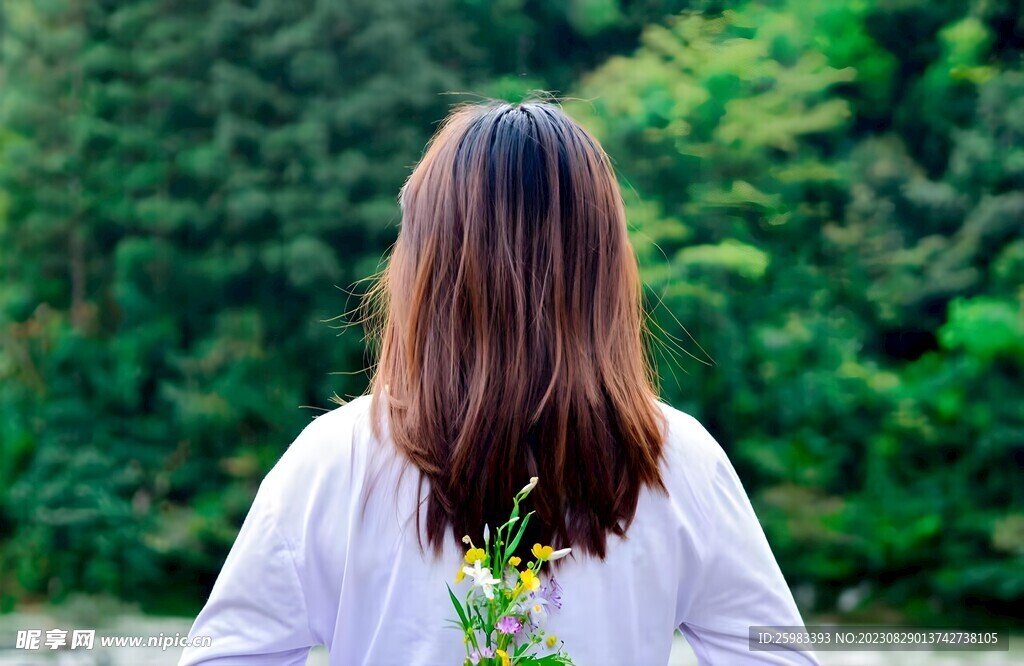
<point x="825" y="196"/>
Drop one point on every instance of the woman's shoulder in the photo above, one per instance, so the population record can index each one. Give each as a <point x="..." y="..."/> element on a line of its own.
<point x="328" y="450"/>
<point x="688" y="441"/>
<point x="698" y="476"/>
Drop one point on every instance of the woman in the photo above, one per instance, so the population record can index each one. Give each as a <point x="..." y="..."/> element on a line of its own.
<point x="511" y="347"/>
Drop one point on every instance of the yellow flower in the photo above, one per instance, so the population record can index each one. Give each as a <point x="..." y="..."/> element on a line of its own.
<point x="474" y="554"/>
<point x="530" y="580"/>
<point x="460" y="576"/>
<point x="542" y="552"/>
<point x="552" y="640"/>
<point x="514" y="561"/>
<point x="505" y="661"/>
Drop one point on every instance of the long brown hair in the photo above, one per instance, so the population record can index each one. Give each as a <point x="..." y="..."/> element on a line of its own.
<point x="511" y="337"/>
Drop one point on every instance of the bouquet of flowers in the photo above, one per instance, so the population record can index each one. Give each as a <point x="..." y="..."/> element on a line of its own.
<point x="503" y="611"/>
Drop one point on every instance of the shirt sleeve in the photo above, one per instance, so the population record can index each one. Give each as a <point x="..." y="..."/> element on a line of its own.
<point x="256" y="613"/>
<point x="740" y="584"/>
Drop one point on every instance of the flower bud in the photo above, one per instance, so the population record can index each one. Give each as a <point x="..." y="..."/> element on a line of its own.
<point x="530" y="486"/>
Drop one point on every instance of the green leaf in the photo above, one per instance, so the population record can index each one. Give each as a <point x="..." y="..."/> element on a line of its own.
<point x="547" y="660"/>
<point x="519" y="535"/>
<point x="458" y="608"/>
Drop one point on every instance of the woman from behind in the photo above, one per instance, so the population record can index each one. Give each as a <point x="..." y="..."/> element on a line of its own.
<point x="511" y="346"/>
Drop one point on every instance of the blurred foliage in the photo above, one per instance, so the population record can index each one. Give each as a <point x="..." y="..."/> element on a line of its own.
<point x="825" y="198"/>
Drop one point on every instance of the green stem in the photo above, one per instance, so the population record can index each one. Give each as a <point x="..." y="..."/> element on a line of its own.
<point x="472" y="632"/>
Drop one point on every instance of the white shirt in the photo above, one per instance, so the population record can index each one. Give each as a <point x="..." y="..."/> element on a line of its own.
<point x="313" y="566"/>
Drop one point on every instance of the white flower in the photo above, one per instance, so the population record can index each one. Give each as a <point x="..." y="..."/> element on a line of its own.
<point x="466" y="539"/>
<point x="482" y="578"/>
<point x="487" y="534"/>
<point x="559" y="554"/>
<point x="538" y="609"/>
<point x="530" y="486"/>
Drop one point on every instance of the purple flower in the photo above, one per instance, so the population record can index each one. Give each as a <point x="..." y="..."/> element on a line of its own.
<point x="508" y="625"/>
<point x="551" y="592"/>
<point x="483" y="653"/>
